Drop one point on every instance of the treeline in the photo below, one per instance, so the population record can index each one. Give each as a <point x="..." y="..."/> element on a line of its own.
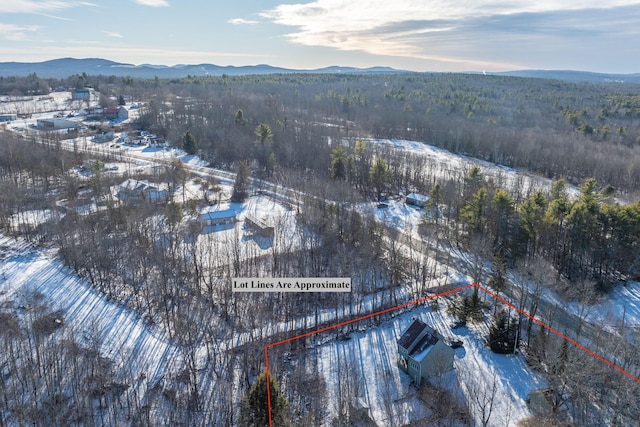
<point x="587" y="238"/>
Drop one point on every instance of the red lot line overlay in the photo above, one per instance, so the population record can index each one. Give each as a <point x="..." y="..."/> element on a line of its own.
<point x="421" y="300"/>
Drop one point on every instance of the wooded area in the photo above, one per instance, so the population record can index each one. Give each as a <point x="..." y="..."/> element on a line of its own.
<point x="309" y="132"/>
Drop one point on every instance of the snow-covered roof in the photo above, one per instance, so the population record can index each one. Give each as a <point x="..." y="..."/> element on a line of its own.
<point x="135" y="185"/>
<point x="418" y="197"/>
<point x="227" y="213"/>
<point x="426" y="335"/>
<point x="424" y="347"/>
<point x="411" y="334"/>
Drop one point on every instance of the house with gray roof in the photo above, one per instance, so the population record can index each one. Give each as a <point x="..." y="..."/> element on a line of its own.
<point x="423" y="353"/>
<point x="133" y="190"/>
<point x="217" y="217"/>
<point x="415" y="199"/>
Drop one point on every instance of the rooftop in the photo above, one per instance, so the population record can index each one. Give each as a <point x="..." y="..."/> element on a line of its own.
<point x="411" y="334"/>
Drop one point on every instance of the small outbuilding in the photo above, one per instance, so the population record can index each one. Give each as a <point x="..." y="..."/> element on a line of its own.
<point x="423" y="353"/>
<point x="259" y="225"/>
<point x="416" y="199"/>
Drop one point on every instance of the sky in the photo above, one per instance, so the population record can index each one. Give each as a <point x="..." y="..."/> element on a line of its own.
<point x="417" y="35"/>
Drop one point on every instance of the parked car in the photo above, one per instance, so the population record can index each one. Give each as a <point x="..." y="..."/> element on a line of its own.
<point x="456" y="344"/>
<point x="458" y="324"/>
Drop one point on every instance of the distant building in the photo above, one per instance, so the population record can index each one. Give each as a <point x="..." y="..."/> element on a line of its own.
<point x="56" y="124"/>
<point x="8" y="117"/>
<point x="259" y="225"/>
<point x="120" y="113"/>
<point x="416" y="199"/>
<point x="133" y="190"/>
<point x="103" y="137"/>
<point x="213" y="218"/>
<point x="81" y="95"/>
<point x="422" y="352"/>
<point x="123" y="113"/>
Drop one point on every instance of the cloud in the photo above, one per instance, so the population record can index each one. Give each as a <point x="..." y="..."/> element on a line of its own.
<point x="16" y="32"/>
<point x="153" y="3"/>
<point x="113" y="34"/>
<point x="442" y="30"/>
<point x="240" y="21"/>
<point x="33" y="6"/>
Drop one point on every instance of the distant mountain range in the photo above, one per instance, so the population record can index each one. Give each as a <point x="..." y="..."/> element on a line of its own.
<point x="64" y="67"/>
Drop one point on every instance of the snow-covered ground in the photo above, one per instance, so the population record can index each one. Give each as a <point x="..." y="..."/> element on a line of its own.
<point x="370" y="359"/>
<point x="219" y="243"/>
<point x="398" y="214"/>
<point x="621" y="308"/>
<point x="160" y="152"/>
<point x="618" y="311"/>
<point x="122" y="335"/>
<point x="55" y="101"/>
<point x="446" y="165"/>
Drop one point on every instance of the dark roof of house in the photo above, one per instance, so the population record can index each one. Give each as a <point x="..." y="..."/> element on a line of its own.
<point x="411" y="334"/>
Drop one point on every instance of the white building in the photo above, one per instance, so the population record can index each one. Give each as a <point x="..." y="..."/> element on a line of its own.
<point x="56" y="124"/>
<point x="213" y="218"/>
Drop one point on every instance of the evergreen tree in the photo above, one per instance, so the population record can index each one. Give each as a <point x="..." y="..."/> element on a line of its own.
<point x="503" y="334"/>
<point x="474" y="305"/>
<point x="240" y="191"/>
<point x="96" y="177"/>
<point x="379" y="175"/>
<point x="239" y="118"/>
<point x="435" y="198"/>
<point x="338" y="169"/>
<point x="473" y="182"/>
<point x="530" y="214"/>
<point x="473" y="212"/>
<point x="263" y="132"/>
<point x="255" y="406"/>
<point x="497" y="279"/>
<point x="173" y="213"/>
<point x="189" y="143"/>
<point x="502" y="215"/>
<point x="467" y="308"/>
